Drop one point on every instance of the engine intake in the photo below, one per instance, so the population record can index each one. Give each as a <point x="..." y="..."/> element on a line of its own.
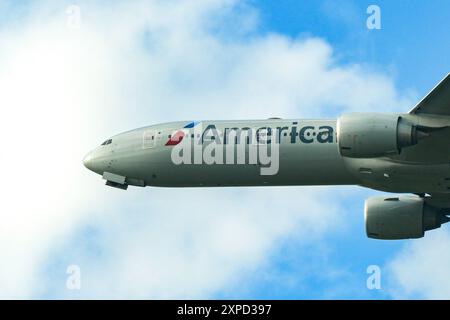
<point x="369" y="135"/>
<point x="405" y="217"/>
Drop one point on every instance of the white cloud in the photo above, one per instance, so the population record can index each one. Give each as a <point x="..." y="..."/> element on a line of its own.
<point x="420" y="270"/>
<point x="132" y="64"/>
<point x="194" y="242"/>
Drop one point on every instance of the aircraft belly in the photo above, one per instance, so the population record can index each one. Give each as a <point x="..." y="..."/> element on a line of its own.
<point x="386" y="175"/>
<point x="298" y="165"/>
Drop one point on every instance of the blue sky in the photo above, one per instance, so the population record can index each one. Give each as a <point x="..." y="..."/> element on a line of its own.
<point x="137" y="63"/>
<point x="413" y="46"/>
<point x="412" y="42"/>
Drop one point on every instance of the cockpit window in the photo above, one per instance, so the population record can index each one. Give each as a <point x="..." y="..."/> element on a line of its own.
<point x="109" y="141"/>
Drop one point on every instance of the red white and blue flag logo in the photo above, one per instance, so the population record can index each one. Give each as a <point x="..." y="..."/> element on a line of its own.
<point x="178" y="136"/>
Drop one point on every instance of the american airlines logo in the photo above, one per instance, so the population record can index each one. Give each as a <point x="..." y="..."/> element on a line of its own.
<point x="178" y="136"/>
<point x="194" y="144"/>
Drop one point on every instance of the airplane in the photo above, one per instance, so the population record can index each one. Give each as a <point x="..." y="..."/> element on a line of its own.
<point x="403" y="153"/>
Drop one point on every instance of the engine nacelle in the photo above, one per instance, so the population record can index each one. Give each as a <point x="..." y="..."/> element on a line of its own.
<point x="369" y="135"/>
<point x="404" y="217"/>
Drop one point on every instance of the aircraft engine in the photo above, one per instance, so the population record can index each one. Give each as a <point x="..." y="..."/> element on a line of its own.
<point x="368" y="135"/>
<point x="403" y="217"/>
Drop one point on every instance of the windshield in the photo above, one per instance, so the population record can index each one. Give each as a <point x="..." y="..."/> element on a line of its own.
<point x="109" y="141"/>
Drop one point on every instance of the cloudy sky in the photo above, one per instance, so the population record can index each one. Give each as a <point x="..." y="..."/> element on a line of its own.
<point x="75" y="72"/>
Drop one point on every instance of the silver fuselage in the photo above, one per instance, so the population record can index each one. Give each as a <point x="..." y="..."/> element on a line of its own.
<point x="143" y="158"/>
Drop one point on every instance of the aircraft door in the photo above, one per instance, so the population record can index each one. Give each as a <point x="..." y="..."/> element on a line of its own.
<point x="159" y="141"/>
<point x="149" y="139"/>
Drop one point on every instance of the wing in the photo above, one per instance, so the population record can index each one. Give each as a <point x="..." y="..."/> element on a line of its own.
<point x="437" y="101"/>
<point x="432" y="117"/>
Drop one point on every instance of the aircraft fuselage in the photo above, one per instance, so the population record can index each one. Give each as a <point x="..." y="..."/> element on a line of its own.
<point x="308" y="154"/>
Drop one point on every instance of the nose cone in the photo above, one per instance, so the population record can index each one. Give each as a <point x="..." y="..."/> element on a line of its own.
<point x="88" y="161"/>
<point x="96" y="161"/>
